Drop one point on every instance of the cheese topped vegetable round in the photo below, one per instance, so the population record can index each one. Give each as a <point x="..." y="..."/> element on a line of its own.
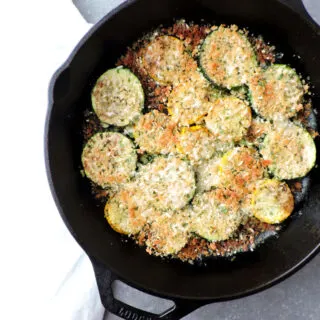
<point x="272" y="201"/>
<point x="166" y="61"/>
<point x="289" y="150"/>
<point x="167" y="182"/>
<point x="216" y="214"/>
<point x="277" y="92"/>
<point x="117" y="97"/>
<point x="109" y="159"/>
<point x="156" y="133"/>
<point x="227" y="57"/>
<point x="229" y="118"/>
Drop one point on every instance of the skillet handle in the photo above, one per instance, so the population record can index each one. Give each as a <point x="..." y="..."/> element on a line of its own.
<point x="105" y="278"/>
<point x="298" y="6"/>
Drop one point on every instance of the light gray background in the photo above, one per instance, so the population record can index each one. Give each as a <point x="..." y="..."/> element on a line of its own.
<point x="297" y="298"/>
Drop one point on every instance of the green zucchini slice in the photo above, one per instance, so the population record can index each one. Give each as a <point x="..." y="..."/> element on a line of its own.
<point x="118" y="97"/>
<point x="109" y="159"/>
<point x="166" y="61"/>
<point x="290" y="151"/>
<point x="215" y="215"/>
<point x="169" y="233"/>
<point x="276" y="93"/>
<point x="227" y="57"/>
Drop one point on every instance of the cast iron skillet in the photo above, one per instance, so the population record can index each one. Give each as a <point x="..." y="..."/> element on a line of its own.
<point x="291" y="30"/>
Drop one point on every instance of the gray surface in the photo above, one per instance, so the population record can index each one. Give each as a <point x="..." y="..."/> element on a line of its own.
<point x="313" y="8"/>
<point x="94" y="10"/>
<point x="297" y="298"/>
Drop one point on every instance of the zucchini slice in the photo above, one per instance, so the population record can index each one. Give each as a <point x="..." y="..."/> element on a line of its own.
<point x="227" y="57"/>
<point x="168" y="233"/>
<point x="109" y="159"/>
<point x="276" y="93"/>
<point x="215" y="214"/>
<point x="239" y="168"/>
<point x="189" y="102"/>
<point x="155" y="133"/>
<point x="166" y="61"/>
<point x="123" y="212"/>
<point x="118" y="97"/>
<point x="272" y="201"/>
<point x="229" y="118"/>
<point x="198" y="144"/>
<point x="290" y="151"/>
<point x="208" y="175"/>
<point x="168" y="183"/>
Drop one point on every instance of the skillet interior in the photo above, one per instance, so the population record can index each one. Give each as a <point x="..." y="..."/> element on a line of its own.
<point x="219" y="278"/>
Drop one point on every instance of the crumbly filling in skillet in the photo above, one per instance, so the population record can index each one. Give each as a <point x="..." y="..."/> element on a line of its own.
<point x="178" y="125"/>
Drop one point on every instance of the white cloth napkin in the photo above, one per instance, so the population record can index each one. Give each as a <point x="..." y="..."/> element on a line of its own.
<point x="44" y="273"/>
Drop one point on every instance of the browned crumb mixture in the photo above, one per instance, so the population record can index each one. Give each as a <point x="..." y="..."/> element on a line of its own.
<point x="192" y="34"/>
<point x="265" y="53"/>
<point x="91" y="125"/>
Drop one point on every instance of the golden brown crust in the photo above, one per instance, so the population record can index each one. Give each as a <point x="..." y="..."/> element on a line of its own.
<point x="166" y="61"/>
<point x="276" y="93"/>
<point x="227" y="57"/>
<point x="229" y="118"/>
<point x="215" y="214"/>
<point x="109" y="159"/>
<point x="190" y="101"/>
<point x="239" y="168"/>
<point x="156" y="133"/>
<point x="123" y="212"/>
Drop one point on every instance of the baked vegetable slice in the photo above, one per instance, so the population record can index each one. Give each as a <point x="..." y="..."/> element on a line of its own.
<point x="215" y="214"/>
<point x="208" y="174"/>
<point x="109" y="159"/>
<point x="272" y="201"/>
<point x="276" y="92"/>
<point x="118" y="97"/>
<point x="229" y="118"/>
<point x="168" y="233"/>
<point x="166" y="61"/>
<point x="155" y="133"/>
<point x="198" y="144"/>
<point x="168" y="182"/>
<point x="189" y="102"/>
<point x="289" y="150"/>
<point x="240" y="167"/>
<point x="227" y="57"/>
<point x="123" y="211"/>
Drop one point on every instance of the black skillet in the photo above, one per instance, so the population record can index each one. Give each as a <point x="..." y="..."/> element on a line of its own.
<point x="289" y="27"/>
